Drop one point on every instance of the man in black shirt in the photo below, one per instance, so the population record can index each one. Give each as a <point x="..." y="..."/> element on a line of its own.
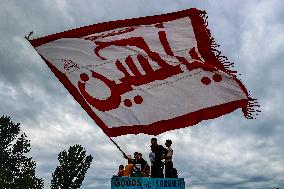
<point x="158" y="166"/>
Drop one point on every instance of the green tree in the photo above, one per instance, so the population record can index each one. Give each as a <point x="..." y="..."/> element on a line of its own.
<point x="16" y="170"/>
<point x="72" y="168"/>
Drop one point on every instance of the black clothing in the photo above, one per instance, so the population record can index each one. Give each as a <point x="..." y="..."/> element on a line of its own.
<point x="158" y="165"/>
<point x="169" y="169"/>
<point x="159" y="151"/>
<point x="157" y="170"/>
<point x="140" y="161"/>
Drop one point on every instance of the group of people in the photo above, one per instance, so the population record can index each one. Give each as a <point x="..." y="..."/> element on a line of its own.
<point x="160" y="159"/>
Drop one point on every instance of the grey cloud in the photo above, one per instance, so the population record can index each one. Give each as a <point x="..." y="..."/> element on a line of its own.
<point x="228" y="152"/>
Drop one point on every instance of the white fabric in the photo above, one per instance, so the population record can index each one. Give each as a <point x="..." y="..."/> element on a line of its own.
<point x="162" y="99"/>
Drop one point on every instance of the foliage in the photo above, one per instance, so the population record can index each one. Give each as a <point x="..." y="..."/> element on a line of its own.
<point x="16" y="170"/>
<point x="72" y="169"/>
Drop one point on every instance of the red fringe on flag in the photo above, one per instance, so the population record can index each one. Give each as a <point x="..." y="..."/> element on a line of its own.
<point x="253" y="108"/>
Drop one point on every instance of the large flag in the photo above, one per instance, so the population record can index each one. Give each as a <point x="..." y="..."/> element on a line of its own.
<point x="145" y="75"/>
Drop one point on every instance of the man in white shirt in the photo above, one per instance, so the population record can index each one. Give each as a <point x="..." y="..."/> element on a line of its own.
<point x="168" y="160"/>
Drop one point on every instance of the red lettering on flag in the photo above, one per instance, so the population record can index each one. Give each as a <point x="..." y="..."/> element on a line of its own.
<point x="146" y="75"/>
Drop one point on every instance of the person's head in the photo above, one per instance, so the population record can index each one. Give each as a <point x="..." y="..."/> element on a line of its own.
<point x="121" y="167"/>
<point x="130" y="161"/>
<point x="139" y="155"/>
<point x="136" y="155"/>
<point x="168" y="143"/>
<point x="154" y="141"/>
<point x="128" y="157"/>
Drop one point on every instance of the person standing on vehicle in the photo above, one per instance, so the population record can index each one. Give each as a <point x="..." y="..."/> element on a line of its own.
<point x="158" y="166"/>
<point x="168" y="160"/>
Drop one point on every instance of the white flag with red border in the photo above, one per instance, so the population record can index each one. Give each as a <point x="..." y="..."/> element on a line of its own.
<point x="145" y="75"/>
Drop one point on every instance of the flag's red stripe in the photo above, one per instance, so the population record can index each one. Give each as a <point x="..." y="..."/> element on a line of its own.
<point x="106" y="26"/>
<point x="179" y="122"/>
<point x="204" y="42"/>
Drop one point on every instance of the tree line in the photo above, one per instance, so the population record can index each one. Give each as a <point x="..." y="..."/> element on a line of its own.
<point x="17" y="170"/>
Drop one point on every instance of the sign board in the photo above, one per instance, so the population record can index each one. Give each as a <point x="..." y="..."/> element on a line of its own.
<point x="146" y="183"/>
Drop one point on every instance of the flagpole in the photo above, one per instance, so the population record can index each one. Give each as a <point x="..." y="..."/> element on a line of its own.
<point x="124" y="154"/>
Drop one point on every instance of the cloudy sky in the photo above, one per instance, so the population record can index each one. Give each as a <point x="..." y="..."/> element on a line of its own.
<point x="228" y="152"/>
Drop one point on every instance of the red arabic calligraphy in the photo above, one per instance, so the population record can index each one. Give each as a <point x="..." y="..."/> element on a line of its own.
<point x="164" y="71"/>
